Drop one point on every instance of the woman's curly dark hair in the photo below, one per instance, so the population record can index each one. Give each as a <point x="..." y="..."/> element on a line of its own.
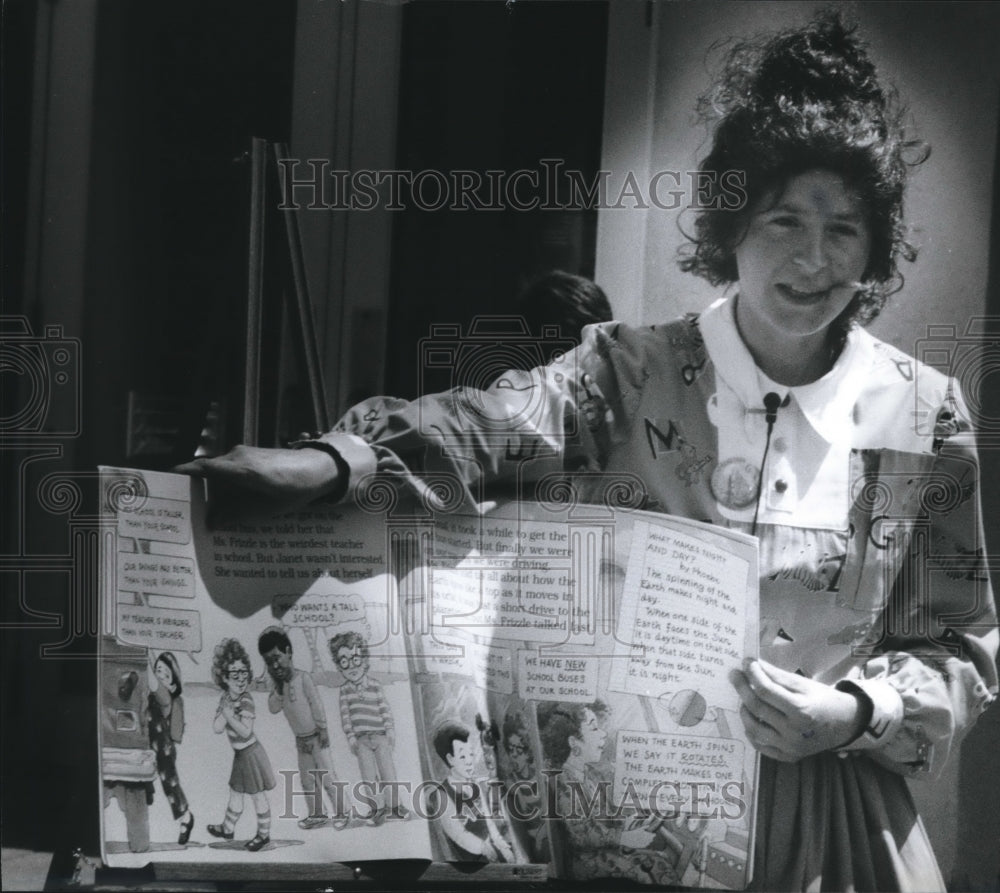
<point x="802" y="100"/>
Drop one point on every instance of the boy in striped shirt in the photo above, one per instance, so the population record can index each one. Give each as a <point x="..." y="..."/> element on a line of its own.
<point x="367" y="719"/>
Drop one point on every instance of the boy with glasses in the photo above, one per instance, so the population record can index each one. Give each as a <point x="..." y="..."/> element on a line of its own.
<point x="367" y="720"/>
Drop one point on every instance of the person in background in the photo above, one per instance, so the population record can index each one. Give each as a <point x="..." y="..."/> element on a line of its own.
<point x="558" y="298"/>
<point x="547" y="320"/>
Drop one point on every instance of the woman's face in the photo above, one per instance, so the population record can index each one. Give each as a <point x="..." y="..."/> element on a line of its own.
<point x="237" y="677"/>
<point x="163" y="674"/>
<point x="591" y="738"/>
<point x="801" y="258"/>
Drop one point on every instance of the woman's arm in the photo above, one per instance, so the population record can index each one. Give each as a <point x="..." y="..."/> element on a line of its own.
<point x="933" y="670"/>
<point x="524" y="426"/>
<point x="788" y="717"/>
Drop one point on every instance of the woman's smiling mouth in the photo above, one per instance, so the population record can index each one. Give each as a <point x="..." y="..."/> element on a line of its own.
<point x="804" y="297"/>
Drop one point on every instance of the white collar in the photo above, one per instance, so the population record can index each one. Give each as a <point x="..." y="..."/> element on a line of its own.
<point x="827" y="403"/>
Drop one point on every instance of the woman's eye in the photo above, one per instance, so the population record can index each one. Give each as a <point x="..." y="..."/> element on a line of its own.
<point x="845" y="230"/>
<point x="785" y="222"/>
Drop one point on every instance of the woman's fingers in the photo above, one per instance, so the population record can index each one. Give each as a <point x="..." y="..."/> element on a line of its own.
<point x="258" y="481"/>
<point x="781" y="678"/>
<point x="776" y="687"/>
<point x="757" y="707"/>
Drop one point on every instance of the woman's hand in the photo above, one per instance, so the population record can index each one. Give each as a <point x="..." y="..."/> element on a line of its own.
<point x="258" y="480"/>
<point x="788" y="717"/>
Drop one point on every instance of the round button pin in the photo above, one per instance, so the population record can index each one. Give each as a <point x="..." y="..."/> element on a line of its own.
<point x="734" y="483"/>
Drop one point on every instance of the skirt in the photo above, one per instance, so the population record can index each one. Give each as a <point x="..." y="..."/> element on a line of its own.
<point x="827" y="823"/>
<point x="251" y="770"/>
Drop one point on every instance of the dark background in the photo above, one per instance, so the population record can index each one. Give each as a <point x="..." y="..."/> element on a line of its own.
<point x="156" y="284"/>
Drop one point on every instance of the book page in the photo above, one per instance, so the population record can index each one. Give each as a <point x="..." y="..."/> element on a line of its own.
<point x="573" y="682"/>
<point x="490" y="591"/>
<point x="309" y="749"/>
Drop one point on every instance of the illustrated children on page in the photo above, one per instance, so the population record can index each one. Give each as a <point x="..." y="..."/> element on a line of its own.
<point x="295" y="694"/>
<point x="367" y="721"/>
<point x="251" y="768"/>
<point x="466" y="819"/>
<point x="166" y="730"/>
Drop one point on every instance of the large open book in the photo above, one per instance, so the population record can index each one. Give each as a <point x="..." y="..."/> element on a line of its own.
<point x="542" y="684"/>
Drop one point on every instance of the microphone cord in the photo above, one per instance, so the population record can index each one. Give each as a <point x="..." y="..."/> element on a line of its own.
<point x="771" y="403"/>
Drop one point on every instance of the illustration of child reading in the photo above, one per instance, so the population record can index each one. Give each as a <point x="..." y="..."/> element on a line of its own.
<point x="489" y="739"/>
<point x="251" y="768"/>
<point x="528" y="803"/>
<point x="597" y="844"/>
<point x="465" y="818"/>
<point x="367" y="721"/>
<point x="166" y="730"/>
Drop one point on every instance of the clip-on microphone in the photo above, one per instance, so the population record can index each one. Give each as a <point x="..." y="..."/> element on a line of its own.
<point x="771" y="404"/>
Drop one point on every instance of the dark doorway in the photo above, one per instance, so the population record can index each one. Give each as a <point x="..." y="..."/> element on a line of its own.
<point x="508" y="96"/>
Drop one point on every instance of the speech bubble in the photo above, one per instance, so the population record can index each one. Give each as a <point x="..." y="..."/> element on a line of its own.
<point x="318" y="609"/>
<point x="156" y="574"/>
<point x="163" y="520"/>
<point x="490" y="666"/>
<point x="170" y="629"/>
<point x="542" y="677"/>
<point x="690" y="773"/>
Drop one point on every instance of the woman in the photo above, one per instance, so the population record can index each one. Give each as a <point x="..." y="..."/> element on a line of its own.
<point x="852" y="463"/>
<point x="596" y="845"/>
<point x="251" y="768"/>
<point x="166" y="731"/>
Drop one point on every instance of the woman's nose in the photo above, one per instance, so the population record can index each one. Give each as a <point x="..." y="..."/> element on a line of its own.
<point x="811" y="254"/>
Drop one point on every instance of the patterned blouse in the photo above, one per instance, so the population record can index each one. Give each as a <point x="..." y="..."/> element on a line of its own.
<point x="873" y="572"/>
